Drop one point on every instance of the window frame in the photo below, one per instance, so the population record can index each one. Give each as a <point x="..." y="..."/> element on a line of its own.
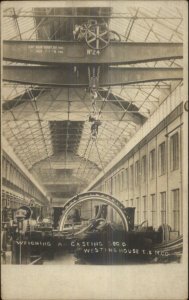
<point x="144" y="168"/>
<point x="131" y="181"/>
<point x="137" y="173"/>
<point x="162" y="162"/>
<point x="163" y="208"/>
<point x="174" y="163"/>
<point x="175" y="212"/>
<point x="153" y="209"/>
<point x="145" y="207"/>
<point x="152" y="163"/>
<point x="138" y="205"/>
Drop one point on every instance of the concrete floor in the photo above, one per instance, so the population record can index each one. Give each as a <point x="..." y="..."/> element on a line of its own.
<point x="64" y="258"/>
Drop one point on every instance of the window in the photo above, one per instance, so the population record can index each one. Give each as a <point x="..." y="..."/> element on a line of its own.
<point x="13" y="172"/>
<point x="176" y="210"/>
<point x="105" y="187"/>
<point x="174" y="151"/>
<point x="111" y="185"/>
<point x="154" y="209"/>
<point x="8" y="170"/>
<point x="144" y="169"/>
<point x="126" y="179"/>
<point x="138" y="209"/>
<point x="4" y="201"/>
<point x="144" y="208"/>
<point x="131" y="176"/>
<point x="114" y="185"/>
<point x="137" y="173"/>
<point x="127" y="203"/>
<point x="161" y="159"/>
<point x="122" y="180"/>
<point x="8" y="201"/>
<point x="152" y="164"/>
<point x="4" y="167"/>
<point x="119" y="182"/>
<point x="163" y="207"/>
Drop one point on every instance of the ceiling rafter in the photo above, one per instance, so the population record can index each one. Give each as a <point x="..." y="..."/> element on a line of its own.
<point x="33" y="110"/>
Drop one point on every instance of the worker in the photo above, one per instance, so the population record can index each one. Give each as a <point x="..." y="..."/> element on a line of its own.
<point x="94" y="126"/>
<point x="79" y="32"/>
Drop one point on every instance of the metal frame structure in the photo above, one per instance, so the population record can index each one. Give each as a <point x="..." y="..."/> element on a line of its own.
<point x="40" y="122"/>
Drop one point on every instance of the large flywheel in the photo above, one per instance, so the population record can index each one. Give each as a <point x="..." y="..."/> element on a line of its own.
<point x="93" y="196"/>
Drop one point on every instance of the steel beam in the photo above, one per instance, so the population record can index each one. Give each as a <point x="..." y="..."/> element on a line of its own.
<point x="53" y="76"/>
<point x="59" y="52"/>
<point x="87" y="16"/>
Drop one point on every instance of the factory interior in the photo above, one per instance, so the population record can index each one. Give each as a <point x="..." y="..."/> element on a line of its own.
<point x="94" y="113"/>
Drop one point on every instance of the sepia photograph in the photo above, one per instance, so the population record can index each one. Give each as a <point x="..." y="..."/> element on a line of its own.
<point x="94" y="139"/>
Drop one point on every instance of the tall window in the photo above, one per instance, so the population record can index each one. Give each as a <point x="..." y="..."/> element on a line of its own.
<point x="122" y="180"/>
<point x="113" y="185"/>
<point x="131" y="176"/>
<point x="137" y="173"/>
<point x="163" y="207"/>
<point x="126" y="179"/>
<point x="8" y="170"/>
<point x="161" y="159"/>
<point x="152" y="164"/>
<point x="138" y="209"/>
<point x="104" y="187"/>
<point x="108" y="187"/>
<point x="144" y="207"/>
<point x="154" y="209"/>
<point x="176" y="210"/>
<point x="116" y="184"/>
<point x="174" y="151"/>
<point x="4" y="201"/>
<point x="4" y="167"/>
<point x="144" y="169"/>
<point x="119" y="182"/>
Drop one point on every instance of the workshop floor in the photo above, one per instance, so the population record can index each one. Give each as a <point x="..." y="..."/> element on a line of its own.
<point x="65" y="258"/>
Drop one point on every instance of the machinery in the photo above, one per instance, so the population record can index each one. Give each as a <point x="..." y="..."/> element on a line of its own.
<point x="96" y="34"/>
<point x="108" y="236"/>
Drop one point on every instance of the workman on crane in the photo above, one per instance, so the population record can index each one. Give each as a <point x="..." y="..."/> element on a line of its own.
<point x="94" y="126"/>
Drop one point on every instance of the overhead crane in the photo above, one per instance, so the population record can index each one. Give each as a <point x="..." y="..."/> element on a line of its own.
<point x="76" y="53"/>
<point x="58" y="76"/>
<point x="92" y="48"/>
<point x="91" y="59"/>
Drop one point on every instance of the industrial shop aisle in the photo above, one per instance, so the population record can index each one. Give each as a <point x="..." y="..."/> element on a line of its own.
<point x="61" y="258"/>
